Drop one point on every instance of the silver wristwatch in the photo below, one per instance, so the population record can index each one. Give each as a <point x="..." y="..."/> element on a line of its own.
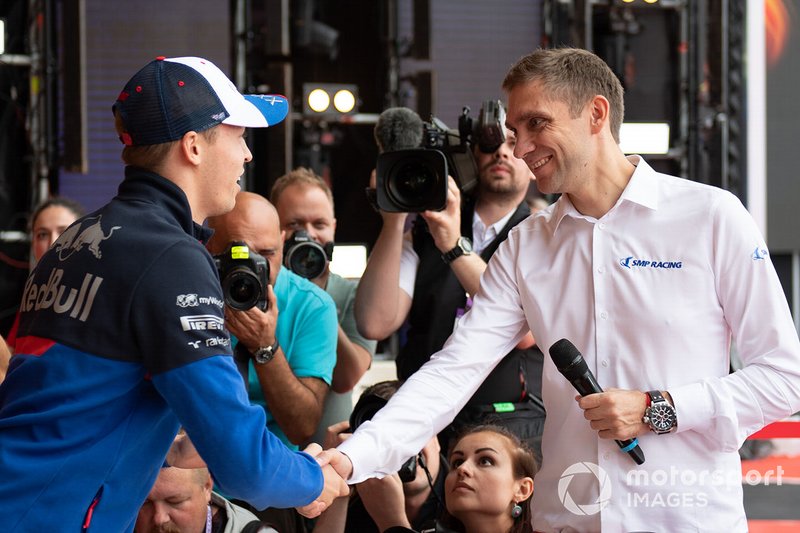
<point x="660" y="415"/>
<point x="265" y="354"/>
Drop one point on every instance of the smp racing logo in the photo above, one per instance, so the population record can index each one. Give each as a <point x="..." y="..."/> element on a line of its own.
<point x="631" y="262"/>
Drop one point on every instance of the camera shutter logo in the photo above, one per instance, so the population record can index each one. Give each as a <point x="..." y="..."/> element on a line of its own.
<point x="584" y="509"/>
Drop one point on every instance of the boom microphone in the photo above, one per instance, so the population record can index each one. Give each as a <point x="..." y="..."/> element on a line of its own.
<point x="570" y="363"/>
<point x="398" y="128"/>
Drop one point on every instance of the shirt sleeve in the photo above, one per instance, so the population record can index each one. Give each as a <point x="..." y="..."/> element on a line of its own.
<point x="248" y="462"/>
<point x="177" y="311"/>
<point x="314" y="331"/>
<point x="409" y="262"/>
<point x="432" y="396"/>
<point x="728" y="409"/>
<point x="348" y="320"/>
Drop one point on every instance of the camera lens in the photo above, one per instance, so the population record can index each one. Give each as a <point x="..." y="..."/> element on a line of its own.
<point x="307" y="259"/>
<point x="241" y="289"/>
<point x="413" y="183"/>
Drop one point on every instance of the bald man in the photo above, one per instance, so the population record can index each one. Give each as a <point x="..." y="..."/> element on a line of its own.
<point x="182" y="501"/>
<point x="298" y="329"/>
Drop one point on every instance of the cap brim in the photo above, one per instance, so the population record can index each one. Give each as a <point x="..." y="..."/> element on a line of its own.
<point x="258" y="111"/>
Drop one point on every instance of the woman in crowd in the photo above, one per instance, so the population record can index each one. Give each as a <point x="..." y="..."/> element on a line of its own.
<point x="489" y="485"/>
<point x="490" y="482"/>
<point x="48" y="221"/>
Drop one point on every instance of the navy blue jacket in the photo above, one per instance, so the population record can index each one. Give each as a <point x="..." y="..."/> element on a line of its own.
<point x="121" y="340"/>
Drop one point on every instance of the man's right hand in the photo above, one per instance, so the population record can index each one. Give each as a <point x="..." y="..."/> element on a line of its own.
<point x="334" y="483"/>
<point x="445" y="225"/>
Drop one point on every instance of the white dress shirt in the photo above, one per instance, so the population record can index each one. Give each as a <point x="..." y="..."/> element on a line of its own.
<point x="482" y="236"/>
<point x="650" y="294"/>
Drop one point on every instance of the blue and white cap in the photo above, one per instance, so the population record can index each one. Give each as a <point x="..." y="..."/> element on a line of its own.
<point x="172" y="96"/>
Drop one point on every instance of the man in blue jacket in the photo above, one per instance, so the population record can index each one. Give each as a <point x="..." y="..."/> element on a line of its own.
<point x="122" y="339"/>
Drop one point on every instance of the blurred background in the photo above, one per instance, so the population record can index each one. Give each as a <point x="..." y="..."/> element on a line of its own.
<point x="713" y="78"/>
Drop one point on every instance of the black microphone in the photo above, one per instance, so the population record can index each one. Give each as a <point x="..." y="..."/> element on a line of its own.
<point x="570" y="363"/>
<point x="398" y="128"/>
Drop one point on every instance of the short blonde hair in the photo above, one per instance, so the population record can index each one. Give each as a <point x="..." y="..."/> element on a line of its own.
<point x="299" y="176"/>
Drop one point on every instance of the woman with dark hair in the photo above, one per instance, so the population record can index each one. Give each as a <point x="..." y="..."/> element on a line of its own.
<point x="49" y="220"/>
<point x="489" y="485"/>
<point x="490" y="482"/>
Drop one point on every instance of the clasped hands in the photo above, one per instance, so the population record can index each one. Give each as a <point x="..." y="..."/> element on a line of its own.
<point x="336" y="468"/>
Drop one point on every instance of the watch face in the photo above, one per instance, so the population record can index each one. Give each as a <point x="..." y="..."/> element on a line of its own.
<point x="264" y="355"/>
<point x="465" y="244"/>
<point x="662" y="417"/>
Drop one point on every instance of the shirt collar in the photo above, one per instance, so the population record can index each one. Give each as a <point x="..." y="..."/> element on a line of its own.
<point x="642" y="189"/>
<point x="483" y="235"/>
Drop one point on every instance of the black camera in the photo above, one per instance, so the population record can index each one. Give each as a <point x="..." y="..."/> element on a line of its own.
<point x="364" y="410"/>
<point x="244" y="275"/>
<point x="415" y="180"/>
<point x="305" y="256"/>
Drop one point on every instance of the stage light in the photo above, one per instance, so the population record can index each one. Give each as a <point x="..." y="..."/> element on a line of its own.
<point x="644" y="138"/>
<point x="344" y="101"/>
<point x="318" y="100"/>
<point x="319" y="96"/>
<point x="2" y="36"/>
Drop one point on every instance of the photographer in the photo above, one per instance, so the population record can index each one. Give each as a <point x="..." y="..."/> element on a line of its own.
<point x="414" y="499"/>
<point x="422" y="274"/>
<point x="296" y="334"/>
<point x="305" y="207"/>
<point x="289" y="348"/>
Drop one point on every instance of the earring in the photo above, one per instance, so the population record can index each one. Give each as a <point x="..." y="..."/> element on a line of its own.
<point x="516" y="511"/>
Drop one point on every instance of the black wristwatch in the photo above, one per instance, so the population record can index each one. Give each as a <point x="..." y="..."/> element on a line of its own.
<point x="463" y="247"/>
<point x="265" y="354"/>
<point x="660" y="415"/>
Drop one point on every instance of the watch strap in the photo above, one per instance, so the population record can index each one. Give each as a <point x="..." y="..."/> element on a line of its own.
<point x="265" y="354"/>
<point x="458" y="250"/>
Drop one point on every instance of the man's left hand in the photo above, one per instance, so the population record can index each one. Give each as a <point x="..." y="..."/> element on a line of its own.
<point x="615" y="413"/>
<point x="254" y="328"/>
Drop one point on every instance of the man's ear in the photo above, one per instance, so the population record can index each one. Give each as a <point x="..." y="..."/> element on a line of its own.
<point x="191" y="147"/>
<point x="599" y="110"/>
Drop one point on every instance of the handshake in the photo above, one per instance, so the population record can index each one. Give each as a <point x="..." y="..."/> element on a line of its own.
<point x="336" y="468"/>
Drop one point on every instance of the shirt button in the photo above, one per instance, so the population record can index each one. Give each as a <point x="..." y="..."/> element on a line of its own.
<point x="606" y="456"/>
<point x="604" y="363"/>
<point x="603" y="315"/>
<point x="602" y="225"/>
<point x="601" y="269"/>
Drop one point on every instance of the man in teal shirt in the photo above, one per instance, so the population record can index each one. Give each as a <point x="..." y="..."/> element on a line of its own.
<point x="291" y="346"/>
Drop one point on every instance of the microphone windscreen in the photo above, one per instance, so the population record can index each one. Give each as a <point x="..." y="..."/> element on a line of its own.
<point x="565" y="355"/>
<point x="398" y="128"/>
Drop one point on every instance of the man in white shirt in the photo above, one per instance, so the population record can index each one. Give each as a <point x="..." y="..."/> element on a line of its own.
<point x="650" y="276"/>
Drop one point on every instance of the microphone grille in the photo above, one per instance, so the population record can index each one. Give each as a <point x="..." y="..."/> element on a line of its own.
<point x="564" y="353"/>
